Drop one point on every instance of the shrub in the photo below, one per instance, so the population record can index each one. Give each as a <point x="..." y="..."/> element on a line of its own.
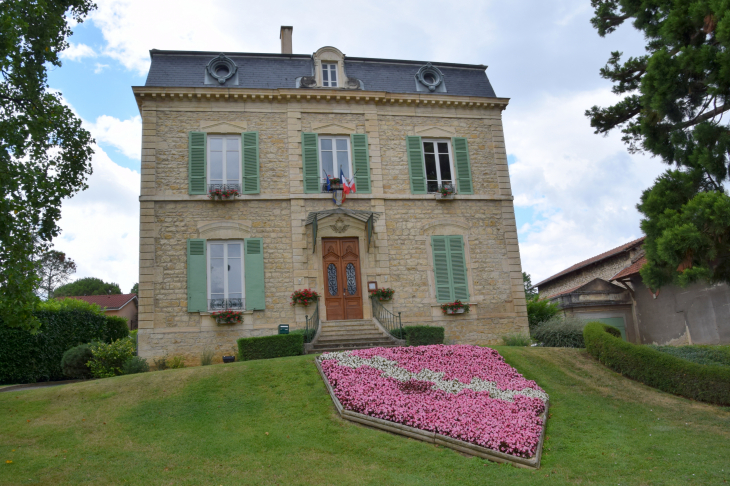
<point x="206" y="358"/>
<point x="176" y="362"/>
<point x="116" y="328"/>
<point x="135" y="364"/>
<point x="307" y="333"/>
<point x="74" y="362"/>
<point x="707" y="383"/>
<point x="423" y="335"/>
<point x="539" y="311"/>
<point x="560" y="332"/>
<point x="160" y="363"/>
<point x="516" y="340"/>
<point x="698" y="353"/>
<point x="108" y="359"/>
<point x="398" y="333"/>
<point x="274" y="346"/>
<point x="26" y="357"/>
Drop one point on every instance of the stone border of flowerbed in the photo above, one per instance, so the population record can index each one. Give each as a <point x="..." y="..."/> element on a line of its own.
<point x="433" y="438"/>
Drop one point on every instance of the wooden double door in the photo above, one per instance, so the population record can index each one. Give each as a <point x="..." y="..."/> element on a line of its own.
<point x="342" y="282"/>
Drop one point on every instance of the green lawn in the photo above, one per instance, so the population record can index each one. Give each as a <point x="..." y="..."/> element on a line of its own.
<point x="272" y="422"/>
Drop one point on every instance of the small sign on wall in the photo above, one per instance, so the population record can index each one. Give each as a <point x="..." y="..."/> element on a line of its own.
<point x="372" y="286"/>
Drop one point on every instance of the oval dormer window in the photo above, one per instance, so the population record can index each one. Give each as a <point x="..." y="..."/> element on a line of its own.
<point x="221" y="68"/>
<point x="430" y="76"/>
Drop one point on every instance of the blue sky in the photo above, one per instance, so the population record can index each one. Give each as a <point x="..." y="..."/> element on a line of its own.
<point x="575" y="192"/>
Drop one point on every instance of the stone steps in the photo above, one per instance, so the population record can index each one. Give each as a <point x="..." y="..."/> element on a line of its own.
<point x="350" y="335"/>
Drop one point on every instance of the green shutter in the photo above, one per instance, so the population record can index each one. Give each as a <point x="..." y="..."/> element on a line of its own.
<point x="250" y="163"/>
<point x="463" y="166"/>
<point x="197" y="276"/>
<point x="310" y="163"/>
<point x="196" y="163"/>
<point x="254" y="268"/>
<point x="361" y="162"/>
<point x="416" y="165"/>
<point x="457" y="260"/>
<point x="441" y="271"/>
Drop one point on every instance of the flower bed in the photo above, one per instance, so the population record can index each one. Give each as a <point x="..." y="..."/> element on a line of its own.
<point x="464" y="392"/>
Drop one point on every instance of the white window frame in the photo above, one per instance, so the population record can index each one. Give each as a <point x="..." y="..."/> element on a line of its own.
<point x="435" y="141"/>
<point x="226" y="140"/>
<point x="225" y="244"/>
<point x="334" y="139"/>
<point x="330" y="67"/>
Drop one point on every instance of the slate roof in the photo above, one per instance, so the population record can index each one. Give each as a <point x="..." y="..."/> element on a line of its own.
<point x="595" y="259"/>
<point x="186" y="69"/>
<point x="110" y="302"/>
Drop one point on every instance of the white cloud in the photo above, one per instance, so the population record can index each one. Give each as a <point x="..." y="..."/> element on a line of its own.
<point x="377" y="29"/>
<point x="76" y="52"/>
<point x="126" y="135"/>
<point x="99" y="67"/>
<point x="582" y="188"/>
<point x="101" y="225"/>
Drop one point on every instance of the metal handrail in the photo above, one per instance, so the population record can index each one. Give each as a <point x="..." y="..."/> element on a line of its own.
<point x="387" y="319"/>
<point x="312" y="324"/>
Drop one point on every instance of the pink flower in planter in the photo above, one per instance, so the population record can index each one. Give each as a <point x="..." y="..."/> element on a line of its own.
<point x="465" y="392"/>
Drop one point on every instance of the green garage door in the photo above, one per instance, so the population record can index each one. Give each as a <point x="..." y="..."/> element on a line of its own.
<point x="617" y="322"/>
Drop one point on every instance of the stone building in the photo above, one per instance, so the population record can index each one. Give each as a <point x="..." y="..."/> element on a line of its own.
<point x="609" y="288"/>
<point x="275" y="128"/>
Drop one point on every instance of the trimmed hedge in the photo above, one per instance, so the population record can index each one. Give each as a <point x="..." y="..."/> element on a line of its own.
<point x="560" y="332"/>
<point x="27" y="357"/>
<point x="275" y="346"/>
<point x="706" y="383"/>
<point x="423" y="335"/>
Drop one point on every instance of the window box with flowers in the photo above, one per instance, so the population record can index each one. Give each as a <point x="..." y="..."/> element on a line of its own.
<point x="227" y="317"/>
<point x="383" y="295"/>
<point x="446" y="192"/>
<point x="456" y="307"/>
<point x="304" y="297"/>
<point x="223" y="192"/>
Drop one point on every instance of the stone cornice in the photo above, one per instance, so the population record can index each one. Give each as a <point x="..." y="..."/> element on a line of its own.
<point x="304" y="95"/>
<point x="274" y="197"/>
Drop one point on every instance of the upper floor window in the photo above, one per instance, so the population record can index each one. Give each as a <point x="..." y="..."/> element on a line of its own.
<point x="225" y="275"/>
<point x="439" y="166"/>
<point x="334" y="154"/>
<point x="224" y="161"/>
<point x="329" y="75"/>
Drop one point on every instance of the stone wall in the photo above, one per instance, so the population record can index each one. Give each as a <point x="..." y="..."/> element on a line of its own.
<point x="604" y="269"/>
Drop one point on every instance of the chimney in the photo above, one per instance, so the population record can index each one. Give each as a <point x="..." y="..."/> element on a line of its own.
<point x="285" y="36"/>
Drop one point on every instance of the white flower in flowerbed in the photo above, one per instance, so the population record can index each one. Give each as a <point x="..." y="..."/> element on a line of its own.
<point x="465" y="392"/>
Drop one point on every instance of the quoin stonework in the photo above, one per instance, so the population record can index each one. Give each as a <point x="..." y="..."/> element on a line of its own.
<point x="431" y="216"/>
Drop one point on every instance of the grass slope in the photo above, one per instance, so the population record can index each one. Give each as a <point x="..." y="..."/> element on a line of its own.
<point x="209" y="425"/>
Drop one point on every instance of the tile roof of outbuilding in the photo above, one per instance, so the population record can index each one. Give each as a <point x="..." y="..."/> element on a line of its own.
<point x="186" y="69"/>
<point x="625" y="247"/>
<point x="110" y="302"/>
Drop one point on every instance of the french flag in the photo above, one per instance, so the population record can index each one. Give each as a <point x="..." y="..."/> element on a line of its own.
<point x="347" y="186"/>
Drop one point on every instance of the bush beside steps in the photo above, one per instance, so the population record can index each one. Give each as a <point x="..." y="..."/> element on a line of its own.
<point x="706" y="383"/>
<point x="420" y="335"/>
<point x="276" y="346"/>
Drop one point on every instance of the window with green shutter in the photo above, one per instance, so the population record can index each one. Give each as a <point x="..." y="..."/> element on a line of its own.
<point x="310" y="163"/>
<point x="449" y="268"/>
<point x="416" y="169"/>
<point x="254" y="270"/>
<point x="361" y="163"/>
<point x="250" y="163"/>
<point x="463" y="166"/>
<point x="197" y="276"/>
<point x="196" y="163"/>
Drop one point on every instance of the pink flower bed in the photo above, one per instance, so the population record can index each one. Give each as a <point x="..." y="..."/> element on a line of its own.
<point x="465" y="392"/>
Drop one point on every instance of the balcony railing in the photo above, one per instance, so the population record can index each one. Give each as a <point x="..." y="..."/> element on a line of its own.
<point x="224" y="187"/>
<point x="226" y="304"/>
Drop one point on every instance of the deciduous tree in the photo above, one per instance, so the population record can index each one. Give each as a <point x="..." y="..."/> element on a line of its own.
<point x="87" y="286"/>
<point x="45" y="154"/>
<point x="673" y="105"/>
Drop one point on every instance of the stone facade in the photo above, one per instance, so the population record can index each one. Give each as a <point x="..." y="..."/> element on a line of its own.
<point x="400" y="255"/>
